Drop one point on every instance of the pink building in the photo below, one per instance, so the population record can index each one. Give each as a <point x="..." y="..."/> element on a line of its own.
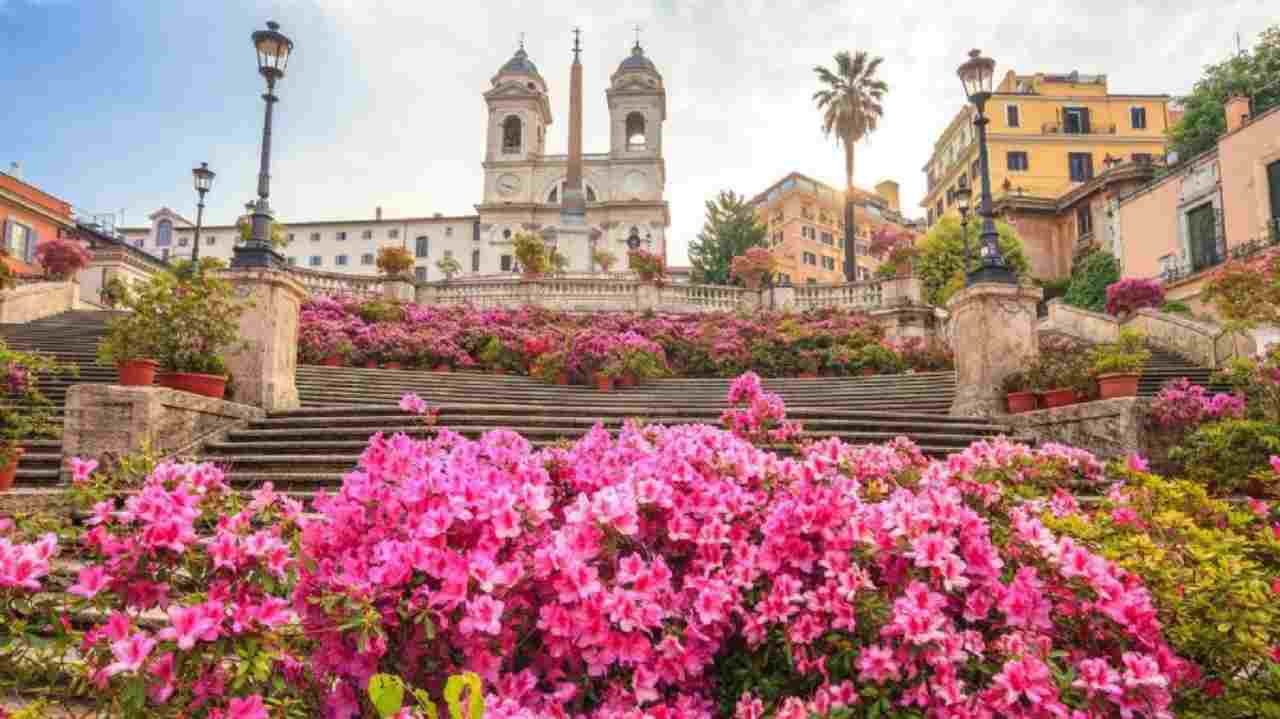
<point x="1220" y="204"/>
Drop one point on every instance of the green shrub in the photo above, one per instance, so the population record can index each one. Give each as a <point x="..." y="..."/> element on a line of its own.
<point x="1089" y="280"/>
<point x="381" y="311"/>
<point x="1224" y="456"/>
<point x="1174" y="307"/>
<point x="1127" y="356"/>
<point x="941" y="257"/>
<point x="1211" y="569"/>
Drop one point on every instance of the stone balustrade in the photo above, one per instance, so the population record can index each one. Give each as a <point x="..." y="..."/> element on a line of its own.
<point x="1205" y="343"/>
<point x="337" y="283"/>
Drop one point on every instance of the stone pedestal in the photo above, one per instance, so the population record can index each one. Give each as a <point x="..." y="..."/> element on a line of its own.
<point x="994" y="331"/>
<point x="264" y="369"/>
<point x="399" y="290"/>
<point x="102" y="418"/>
<point x="648" y="296"/>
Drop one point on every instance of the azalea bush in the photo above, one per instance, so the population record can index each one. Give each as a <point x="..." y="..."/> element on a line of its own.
<point x="711" y="344"/>
<point x="754" y="267"/>
<point x="25" y="411"/>
<point x="1246" y="292"/>
<point x="1132" y="294"/>
<point x="62" y="258"/>
<point x="395" y="261"/>
<point x="663" y="572"/>
<point x="1183" y="405"/>
<point x="650" y="266"/>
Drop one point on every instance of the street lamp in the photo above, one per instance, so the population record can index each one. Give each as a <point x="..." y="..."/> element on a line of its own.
<point x="273" y="50"/>
<point x="976" y="75"/>
<point x="203" y="178"/>
<point x="961" y="196"/>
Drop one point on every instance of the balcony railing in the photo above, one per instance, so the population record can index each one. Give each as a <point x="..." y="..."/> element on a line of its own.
<point x="1057" y="128"/>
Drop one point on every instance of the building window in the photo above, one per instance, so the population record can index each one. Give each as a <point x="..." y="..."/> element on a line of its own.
<point x="1075" y="120"/>
<point x="342" y="237"/>
<point x="1141" y="158"/>
<point x="164" y="254"/>
<point x="554" y="197"/>
<point x="1017" y="161"/>
<point x="506" y="234"/>
<point x="973" y="170"/>
<point x="290" y="238"/>
<point x="1084" y="222"/>
<point x="777" y="237"/>
<point x="505" y="263"/>
<point x="635" y="131"/>
<point x="340" y="260"/>
<point x="314" y="261"/>
<point x="810" y="258"/>
<point x="475" y="260"/>
<point x="164" y="233"/>
<point x="393" y="233"/>
<point x="421" y="247"/>
<point x="1011" y="115"/>
<point x="511" y="135"/>
<point x="182" y="241"/>
<point x="591" y="194"/>
<point x="420" y="273"/>
<point x="1138" y="118"/>
<point x="366" y="235"/>
<point x="1273" y="181"/>
<point x="366" y="258"/>
<point x="448" y="232"/>
<point x="1080" y="165"/>
<point x="827" y="239"/>
<point x="315" y="236"/>
<point x="212" y="240"/>
<point x="1203" y="237"/>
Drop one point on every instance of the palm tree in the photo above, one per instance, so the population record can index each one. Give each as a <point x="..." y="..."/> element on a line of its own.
<point x="850" y="104"/>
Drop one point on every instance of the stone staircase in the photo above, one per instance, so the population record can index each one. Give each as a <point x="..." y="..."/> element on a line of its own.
<point x="312" y="447"/>
<point x="1165" y="366"/>
<point x="71" y="338"/>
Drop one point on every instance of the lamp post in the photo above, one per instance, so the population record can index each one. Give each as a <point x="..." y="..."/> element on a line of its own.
<point x="273" y="50"/>
<point x="976" y="75"/>
<point x="202" y="176"/>
<point x="961" y="196"/>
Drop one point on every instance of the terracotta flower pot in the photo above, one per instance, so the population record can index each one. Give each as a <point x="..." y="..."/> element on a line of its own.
<point x="562" y="379"/>
<point x="604" y="383"/>
<point x="137" y="372"/>
<point x="808" y="375"/>
<point x="1111" y="386"/>
<point x="332" y="361"/>
<point x="371" y="364"/>
<point x="1058" y="397"/>
<point x="393" y="365"/>
<point x="628" y="380"/>
<point x="164" y="379"/>
<point x="443" y="368"/>
<point x="205" y="385"/>
<point x="499" y="370"/>
<point x="1021" y="402"/>
<point x="868" y="372"/>
<point x="9" y="471"/>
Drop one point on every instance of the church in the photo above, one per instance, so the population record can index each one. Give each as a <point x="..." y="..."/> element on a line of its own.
<point x="579" y="202"/>
<point x="576" y="201"/>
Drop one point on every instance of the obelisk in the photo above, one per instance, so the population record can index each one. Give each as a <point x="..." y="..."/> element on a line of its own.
<point x="573" y="207"/>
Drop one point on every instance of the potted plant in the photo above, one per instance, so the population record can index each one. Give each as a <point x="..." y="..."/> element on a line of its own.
<point x="531" y="254"/>
<point x="193" y="320"/>
<point x="875" y="358"/>
<point x="648" y="265"/>
<point x="25" y="411"/>
<point x="754" y="266"/>
<point x="605" y="259"/>
<point x="552" y="367"/>
<point x="395" y="262"/>
<point x="114" y="292"/>
<point x="1118" y="366"/>
<point x="841" y="360"/>
<point x="1049" y="376"/>
<point x="448" y="267"/>
<point x="807" y="363"/>
<point x="130" y="345"/>
<point x="1018" y="392"/>
<point x="639" y="359"/>
<point x="61" y="258"/>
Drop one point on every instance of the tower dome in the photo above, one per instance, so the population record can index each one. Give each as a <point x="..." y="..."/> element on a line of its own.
<point x="519" y="64"/>
<point x="637" y="61"/>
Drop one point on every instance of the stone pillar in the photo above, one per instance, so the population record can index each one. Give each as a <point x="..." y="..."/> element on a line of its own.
<point x="264" y="369"/>
<point x="901" y="291"/>
<point x="994" y="331"/>
<point x="782" y="298"/>
<point x="648" y="295"/>
<point x="398" y="289"/>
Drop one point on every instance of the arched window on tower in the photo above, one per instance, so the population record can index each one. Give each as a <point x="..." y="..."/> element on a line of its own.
<point x="554" y="197"/>
<point x="591" y="194"/>
<point x="511" y="135"/>
<point x="635" y="131"/>
<point x="164" y="233"/>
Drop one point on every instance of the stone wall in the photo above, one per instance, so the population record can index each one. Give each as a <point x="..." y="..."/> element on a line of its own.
<point x="1109" y="428"/>
<point x="104" y="418"/>
<point x="1204" y="343"/>
<point x="26" y="303"/>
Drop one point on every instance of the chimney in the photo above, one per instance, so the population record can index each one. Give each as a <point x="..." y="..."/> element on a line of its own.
<point x="1237" y="112"/>
<point x="15" y="170"/>
<point x="888" y="189"/>
<point x="377" y="214"/>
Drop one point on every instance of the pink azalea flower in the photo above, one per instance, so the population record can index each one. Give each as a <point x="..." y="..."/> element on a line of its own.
<point x="92" y="580"/>
<point x="130" y="653"/>
<point x="1137" y="463"/>
<point x="413" y="404"/>
<point x="250" y="707"/>
<point x="81" y="469"/>
<point x="483" y="615"/>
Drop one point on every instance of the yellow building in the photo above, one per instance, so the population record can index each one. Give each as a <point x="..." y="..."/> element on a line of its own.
<point x="1048" y="137"/>
<point x="805" y="218"/>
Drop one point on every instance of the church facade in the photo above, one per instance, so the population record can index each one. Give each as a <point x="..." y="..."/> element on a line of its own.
<point x="623" y="189"/>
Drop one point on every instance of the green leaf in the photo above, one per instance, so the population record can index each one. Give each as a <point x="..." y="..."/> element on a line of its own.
<point x="453" y="695"/>
<point x="386" y="691"/>
<point x="424" y="701"/>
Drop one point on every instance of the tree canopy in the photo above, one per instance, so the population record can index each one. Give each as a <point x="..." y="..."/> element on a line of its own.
<point x="940" y="264"/>
<point x="731" y="228"/>
<point x="1090" y="279"/>
<point x="1252" y="73"/>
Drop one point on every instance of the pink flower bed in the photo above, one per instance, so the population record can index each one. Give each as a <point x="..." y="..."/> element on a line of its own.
<point x="666" y="572"/>
<point x="1130" y="295"/>
<point x="692" y="345"/>
<point x="1183" y="405"/>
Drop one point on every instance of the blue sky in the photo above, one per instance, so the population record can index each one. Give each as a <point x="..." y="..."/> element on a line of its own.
<point x="110" y="103"/>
